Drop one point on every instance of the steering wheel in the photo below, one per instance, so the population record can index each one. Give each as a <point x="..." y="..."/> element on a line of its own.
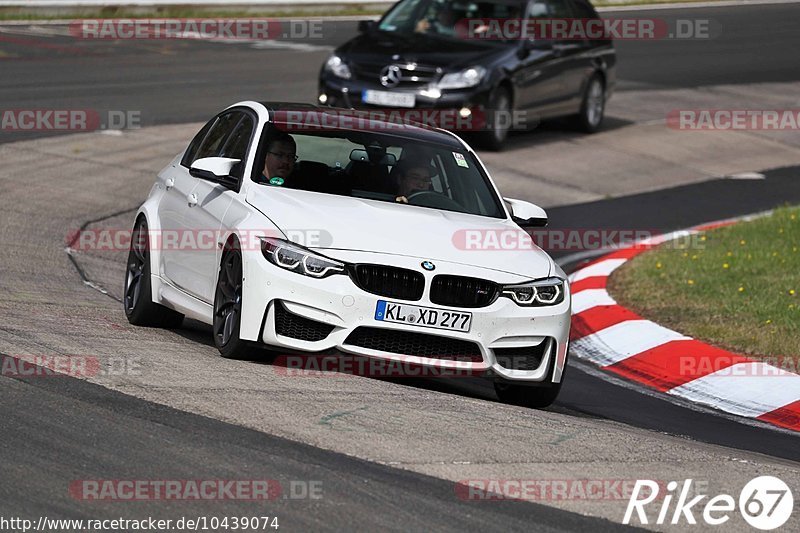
<point x="435" y="200"/>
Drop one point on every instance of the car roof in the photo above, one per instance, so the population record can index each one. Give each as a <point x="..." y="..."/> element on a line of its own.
<point x="309" y="117"/>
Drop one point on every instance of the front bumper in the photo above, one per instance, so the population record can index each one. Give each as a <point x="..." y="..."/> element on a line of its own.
<point x="339" y="303"/>
<point x="348" y="93"/>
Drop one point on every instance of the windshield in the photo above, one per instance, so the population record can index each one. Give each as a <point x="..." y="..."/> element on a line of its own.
<point x="379" y="166"/>
<point x="446" y="18"/>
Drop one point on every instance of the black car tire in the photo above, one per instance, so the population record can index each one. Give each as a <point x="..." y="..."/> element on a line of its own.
<point x="228" y="306"/>
<point x="496" y="120"/>
<point x="536" y="397"/>
<point x="137" y="300"/>
<point x="593" y="106"/>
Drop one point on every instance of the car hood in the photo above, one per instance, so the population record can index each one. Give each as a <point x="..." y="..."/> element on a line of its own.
<point x="330" y="222"/>
<point x="393" y="47"/>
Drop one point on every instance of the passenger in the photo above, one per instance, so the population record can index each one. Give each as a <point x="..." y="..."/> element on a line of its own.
<point x="280" y="160"/>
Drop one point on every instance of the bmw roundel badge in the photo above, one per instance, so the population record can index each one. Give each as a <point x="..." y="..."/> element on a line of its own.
<point x="427" y="265"/>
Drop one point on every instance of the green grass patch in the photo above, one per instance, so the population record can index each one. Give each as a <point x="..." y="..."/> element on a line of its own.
<point x="736" y="287"/>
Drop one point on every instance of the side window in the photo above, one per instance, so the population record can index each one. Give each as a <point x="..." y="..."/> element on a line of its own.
<point x="555" y="9"/>
<point x="237" y="143"/>
<point x="215" y="140"/>
<point x="537" y="10"/>
<point x="559" y="9"/>
<point x="189" y="155"/>
<point x="239" y="140"/>
<point x="404" y="15"/>
<point x="583" y="9"/>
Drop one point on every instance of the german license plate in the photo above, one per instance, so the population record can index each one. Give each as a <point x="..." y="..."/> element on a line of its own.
<point x="426" y="317"/>
<point x="388" y="98"/>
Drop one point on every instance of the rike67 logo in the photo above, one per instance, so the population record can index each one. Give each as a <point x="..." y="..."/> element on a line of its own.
<point x="765" y="503"/>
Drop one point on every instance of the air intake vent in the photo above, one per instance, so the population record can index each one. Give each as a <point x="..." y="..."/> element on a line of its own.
<point x="391" y="282"/>
<point x="416" y="344"/>
<point x="458" y="291"/>
<point x="291" y="325"/>
<point x="524" y="358"/>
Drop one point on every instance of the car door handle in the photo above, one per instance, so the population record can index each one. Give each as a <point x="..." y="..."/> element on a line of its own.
<point x="170" y="183"/>
<point x="560" y="48"/>
<point x="192" y="200"/>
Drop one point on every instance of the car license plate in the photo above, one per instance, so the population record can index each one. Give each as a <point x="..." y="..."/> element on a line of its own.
<point x="388" y="98"/>
<point x="426" y="317"/>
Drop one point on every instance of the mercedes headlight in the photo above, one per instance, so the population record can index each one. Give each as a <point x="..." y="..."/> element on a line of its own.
<point x="537" y="293"/>
<point x="338" y="67"/>
<point x="298" y="259"/>
<point x="469" y="77"/>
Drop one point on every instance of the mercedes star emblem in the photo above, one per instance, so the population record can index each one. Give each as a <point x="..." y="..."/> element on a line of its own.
<point x="390" y="76"/>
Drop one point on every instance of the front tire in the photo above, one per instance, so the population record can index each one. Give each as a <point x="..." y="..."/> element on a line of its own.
<point x="497" y="123"/>
<point x="137" y="297"/>
<point x="537" y="397"/>
<point x="228" y="306"/>
<point x="593" y="106"/>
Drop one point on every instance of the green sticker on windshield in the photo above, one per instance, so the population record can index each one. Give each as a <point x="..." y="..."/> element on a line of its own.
<point x="276" y="181"/>
<point x="460" y="160"/>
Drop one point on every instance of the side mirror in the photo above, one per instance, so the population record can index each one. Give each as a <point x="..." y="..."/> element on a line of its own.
<point x="526" y="214"/>
<point x="538" y="44"/>
<point x="531" y="45"/>
<point x="216" y="169"/>
<point x="367" y="26"/>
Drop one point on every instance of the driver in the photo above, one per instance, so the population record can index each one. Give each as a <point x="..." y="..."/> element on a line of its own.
<point x="444" y="23"/>
<point x="413" y="177"/>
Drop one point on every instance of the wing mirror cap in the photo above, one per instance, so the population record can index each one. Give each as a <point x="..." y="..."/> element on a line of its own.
<point x="216" y="169"/>
<point x="367" y="26"/>
<point x="526" y="214"/>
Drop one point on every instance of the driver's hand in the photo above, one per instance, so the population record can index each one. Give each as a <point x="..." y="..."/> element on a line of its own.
<point x="422" y="26"/>
<point x="401" y="199"/>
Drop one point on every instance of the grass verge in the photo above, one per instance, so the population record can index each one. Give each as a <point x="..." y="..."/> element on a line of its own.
<point x="736" y="287"/>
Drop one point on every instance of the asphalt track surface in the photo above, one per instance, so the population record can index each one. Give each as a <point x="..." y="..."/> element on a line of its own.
<point x="175" y="82"/>
<point x="114" y="435"/>
<point x="78" y="424"/>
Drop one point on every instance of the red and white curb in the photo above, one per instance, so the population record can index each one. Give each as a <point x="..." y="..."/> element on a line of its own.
<point x="620" y="341"/>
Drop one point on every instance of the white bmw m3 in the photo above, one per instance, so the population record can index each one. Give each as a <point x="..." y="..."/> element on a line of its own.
<point x="307" y="229"/>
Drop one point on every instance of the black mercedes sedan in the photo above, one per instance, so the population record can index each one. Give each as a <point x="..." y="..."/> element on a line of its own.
<point x="471" y="57"/>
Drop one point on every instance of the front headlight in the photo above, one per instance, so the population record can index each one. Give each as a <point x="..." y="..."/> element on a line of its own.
<point x="298" y="259"/>
<point x="336" y="66"/>
<point x="469" y="77"/>
<point x="538" y="293"/>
